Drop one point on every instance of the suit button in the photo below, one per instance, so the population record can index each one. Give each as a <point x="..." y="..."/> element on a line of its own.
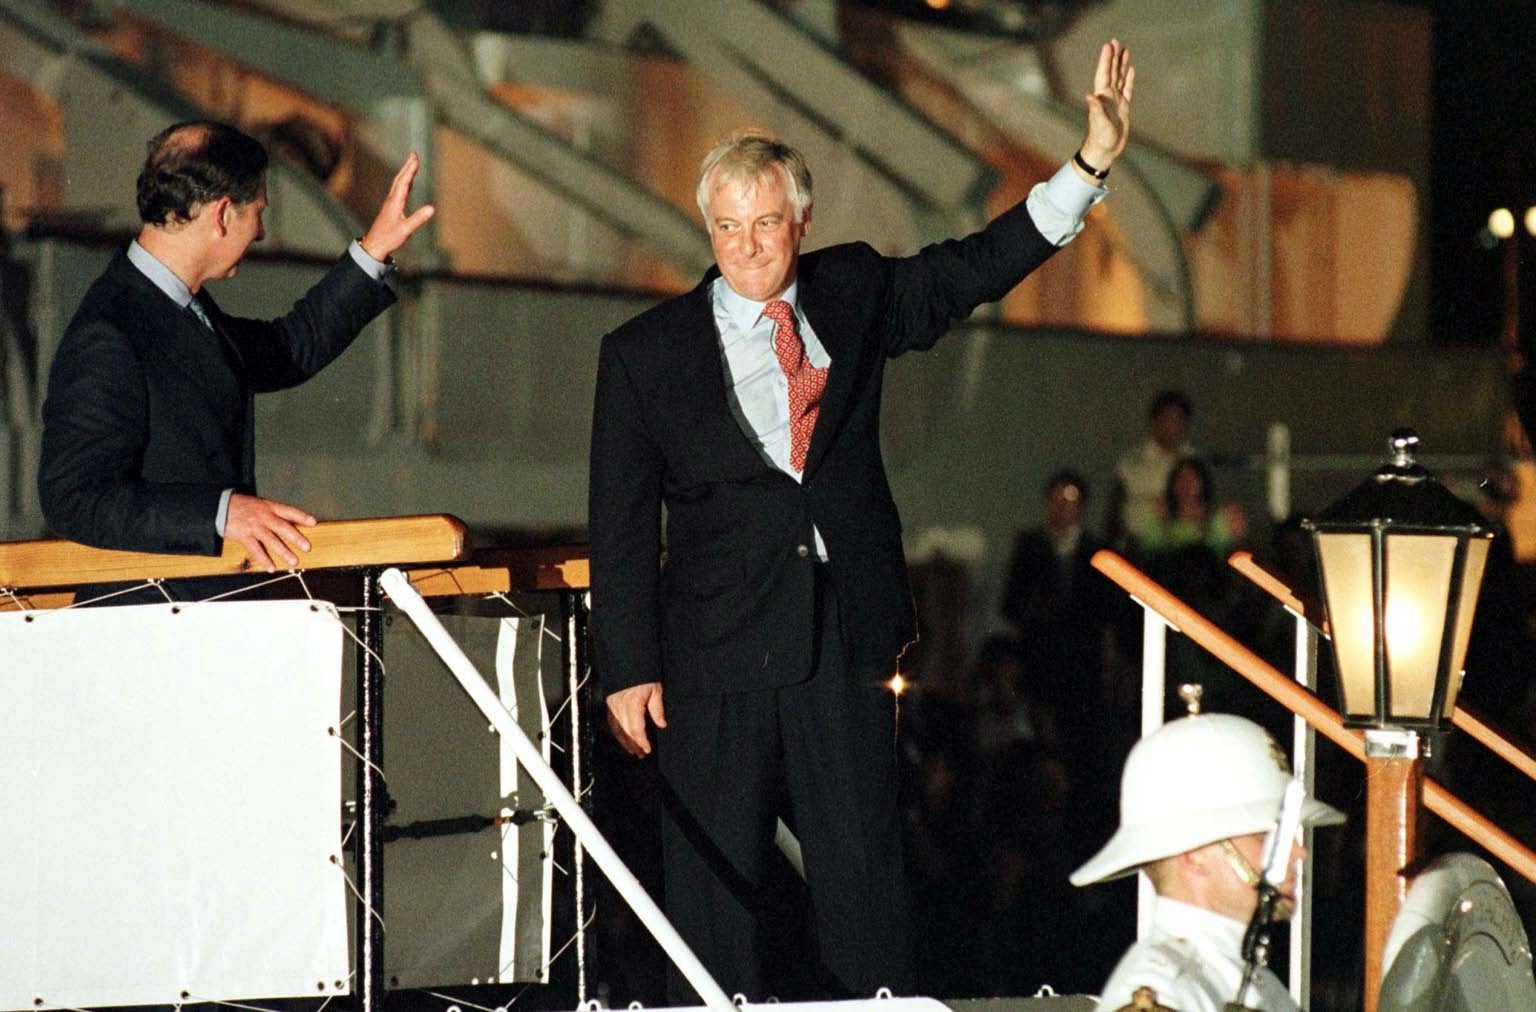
<point x="802" y="551"/>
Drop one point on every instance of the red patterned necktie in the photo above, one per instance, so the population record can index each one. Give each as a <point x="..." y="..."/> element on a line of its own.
<point x="806" y="382"/>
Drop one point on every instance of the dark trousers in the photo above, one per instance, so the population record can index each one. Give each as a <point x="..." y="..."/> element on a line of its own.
<point x="825" y="749"/>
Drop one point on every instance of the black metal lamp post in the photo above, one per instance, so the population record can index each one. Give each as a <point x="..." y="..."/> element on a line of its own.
<point x="1402" y="563"/>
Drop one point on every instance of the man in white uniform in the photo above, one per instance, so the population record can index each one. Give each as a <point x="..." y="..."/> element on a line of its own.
<point x="1197" y="798"/>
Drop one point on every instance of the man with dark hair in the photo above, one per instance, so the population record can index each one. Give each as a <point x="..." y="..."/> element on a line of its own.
<point x="1141" y="474"/>
<point x="148" y="435"/>
<point x="1056" y="606"/>
<point x="186" y="168"/>
<point x="748" y="410"/>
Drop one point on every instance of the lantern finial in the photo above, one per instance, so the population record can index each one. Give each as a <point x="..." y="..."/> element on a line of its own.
<point x="1403" y="447"/>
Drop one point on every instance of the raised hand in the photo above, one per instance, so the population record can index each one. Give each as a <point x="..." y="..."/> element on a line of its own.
<point x="268" y="530"/>
<point x="1109" y="106"/>
<point x="392" y="226"/>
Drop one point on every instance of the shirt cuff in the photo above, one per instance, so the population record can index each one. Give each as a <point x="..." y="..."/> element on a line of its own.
<point x="375" y="269"/>
<point x="222" y="517"/>
<point x="1058" y="205"/>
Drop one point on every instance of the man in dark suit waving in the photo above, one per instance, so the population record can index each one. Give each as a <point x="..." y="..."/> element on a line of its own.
<point x="749" y="409"/>
<point x="148" y="436"/>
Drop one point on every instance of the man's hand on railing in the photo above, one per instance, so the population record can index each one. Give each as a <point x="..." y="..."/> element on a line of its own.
<point x="267" y="530"/>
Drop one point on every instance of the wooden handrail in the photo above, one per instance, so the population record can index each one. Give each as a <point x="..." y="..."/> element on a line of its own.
<point x="502" y="570"/>
<point x="336" y="544"/>
<point x="1304" y="704"/>
<point x="1312" y="612"/>
<point x="1305" y="607"/>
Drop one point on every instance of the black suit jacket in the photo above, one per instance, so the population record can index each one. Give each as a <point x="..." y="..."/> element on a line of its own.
<point x="734" y="607"/>
<point x="149" y="417"/>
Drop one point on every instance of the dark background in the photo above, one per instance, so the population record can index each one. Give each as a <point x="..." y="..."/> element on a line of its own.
<point x="1482" y="156"/>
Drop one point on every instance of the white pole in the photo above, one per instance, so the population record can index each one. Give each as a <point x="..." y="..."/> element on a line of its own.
<point x="1154" y="664"/>
<point x="1304" y="756"/>
<point x="1277" y="471"/>
<point x="409" y="601"/>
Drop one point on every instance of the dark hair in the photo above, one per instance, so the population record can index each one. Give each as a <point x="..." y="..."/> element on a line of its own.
<point x="1207" y="484"/>
<point x="1067" y="476"/>
<point x="1171" y="399"/>
<point x="193" y="163"/>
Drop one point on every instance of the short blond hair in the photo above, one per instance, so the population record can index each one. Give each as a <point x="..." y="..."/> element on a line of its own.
<point x="744" y="157"/>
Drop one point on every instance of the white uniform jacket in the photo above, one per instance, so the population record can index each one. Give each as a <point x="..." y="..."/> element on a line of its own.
<point x="1192" y="958"/>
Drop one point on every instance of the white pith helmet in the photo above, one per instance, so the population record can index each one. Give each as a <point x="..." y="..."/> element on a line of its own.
<point x="1194" y="781"/>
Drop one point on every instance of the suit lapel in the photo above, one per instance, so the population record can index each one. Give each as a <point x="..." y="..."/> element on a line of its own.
<point x="838" y="335"/>
<point x="697" y="388"/>
<point x="236" y="370"/>
<point x="175" y="334"/>
<point x="186" y="347"/>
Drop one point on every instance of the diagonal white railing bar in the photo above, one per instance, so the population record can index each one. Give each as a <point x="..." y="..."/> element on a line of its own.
<point x="408" y="600"/>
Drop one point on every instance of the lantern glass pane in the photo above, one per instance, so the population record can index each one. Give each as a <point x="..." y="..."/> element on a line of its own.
<point x="1418" y="578"/>
<point x="1350" y="591"/>
<point x="1471" y="585"/>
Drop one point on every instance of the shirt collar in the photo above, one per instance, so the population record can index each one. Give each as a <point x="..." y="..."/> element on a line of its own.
<point x="1067" y="541"/>
<point x="743" y="312"/>
<point x="1153" y="450"/>
<point x="1184" y="920"/>
<point x="159" y="274"/>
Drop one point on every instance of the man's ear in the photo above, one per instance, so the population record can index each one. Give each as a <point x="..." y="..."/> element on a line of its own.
<point x="219" y="212"/>
<point x="1196" y="863"/>
<point x="805" y="219"/>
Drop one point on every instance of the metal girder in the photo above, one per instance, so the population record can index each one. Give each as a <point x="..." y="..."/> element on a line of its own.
<point x="435" y="66"/>
<point x="604" y="192"/>
<point x="318" y="64"/>
<point x="786" y="68"/>
<point x="977" y="69"/>
<point x="377" y="85"/>
<point x="1155" y="196"/>
<point x="112" y="106"/>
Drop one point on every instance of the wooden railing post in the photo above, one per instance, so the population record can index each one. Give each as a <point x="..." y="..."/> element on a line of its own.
<point x="1394" y="777"/>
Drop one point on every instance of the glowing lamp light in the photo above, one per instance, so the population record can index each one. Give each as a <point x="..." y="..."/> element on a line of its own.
<point x="1501" y="222"/>
<point x="897" y="684"/>
<point x="1530" y="220"/>
<point x="1402" y="563"/>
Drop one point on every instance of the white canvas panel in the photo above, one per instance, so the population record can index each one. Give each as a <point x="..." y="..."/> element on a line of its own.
<point x="170" y="804"/>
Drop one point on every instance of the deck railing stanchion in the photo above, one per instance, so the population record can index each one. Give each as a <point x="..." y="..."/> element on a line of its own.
<point x="1154" y="667"/>
<point x="1304" y="761"/>
<point x="573" y="615"/>
<point x="372" y="803"/>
